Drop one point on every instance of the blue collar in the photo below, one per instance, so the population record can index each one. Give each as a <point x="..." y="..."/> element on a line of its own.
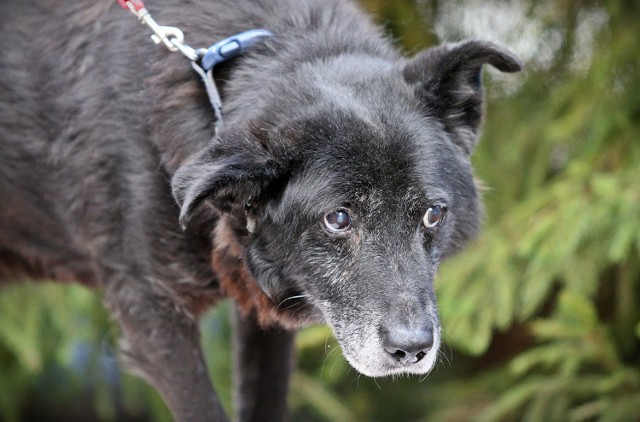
<point x="219" y="52"/>
<point x="232" y="46"/>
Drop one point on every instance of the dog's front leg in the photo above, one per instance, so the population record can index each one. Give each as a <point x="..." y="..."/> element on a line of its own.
<point x="161" y="343"/>
<point x="264" y="359"/>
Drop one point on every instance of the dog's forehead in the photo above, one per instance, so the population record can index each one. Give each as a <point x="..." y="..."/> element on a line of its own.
<point x="366" y="87"/>
<point x="352" y="162"/>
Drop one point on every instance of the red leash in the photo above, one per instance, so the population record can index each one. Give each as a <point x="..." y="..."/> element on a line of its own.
<point x="136" y="4"/>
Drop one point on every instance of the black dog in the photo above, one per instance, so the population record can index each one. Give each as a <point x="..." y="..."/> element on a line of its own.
<point x="340" y="181"/>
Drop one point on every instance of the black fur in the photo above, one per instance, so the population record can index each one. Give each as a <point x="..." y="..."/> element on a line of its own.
<point x="100" y="131"/>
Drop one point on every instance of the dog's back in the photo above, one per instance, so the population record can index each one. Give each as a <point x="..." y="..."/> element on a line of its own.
<point x="82" y="185"/>
<point x="34" y="239"/>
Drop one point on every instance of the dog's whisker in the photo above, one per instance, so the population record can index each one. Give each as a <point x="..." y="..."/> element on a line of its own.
<point x="326" y="344"/>
<point x="425" y="376"/>
<point x="443" y="354"/>
<point x="291" y="298"/>
<point x="325" y="361"/>
<point x="332" y="366"/>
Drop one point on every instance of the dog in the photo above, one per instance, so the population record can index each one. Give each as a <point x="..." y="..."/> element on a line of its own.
<point x="339" y="182"/>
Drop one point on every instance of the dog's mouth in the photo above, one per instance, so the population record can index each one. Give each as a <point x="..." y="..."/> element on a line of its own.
<point x="370" y="353"/>
<point x="363" y="346"/>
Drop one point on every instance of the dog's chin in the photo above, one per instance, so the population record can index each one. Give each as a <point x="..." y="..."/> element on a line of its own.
<point x="376" y="362"/>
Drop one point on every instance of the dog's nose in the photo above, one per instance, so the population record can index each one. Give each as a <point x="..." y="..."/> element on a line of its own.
<point x="407" y="345"/>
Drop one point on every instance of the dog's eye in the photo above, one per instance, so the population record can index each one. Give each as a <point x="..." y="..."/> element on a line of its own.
<point x="337" y="221"/>
<point x="434" y="216"/>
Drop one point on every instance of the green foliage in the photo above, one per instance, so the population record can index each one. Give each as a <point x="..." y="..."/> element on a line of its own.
<point x="559" y="260"/>
<point x="57" y="345"/>
<point x="575" y="373"/>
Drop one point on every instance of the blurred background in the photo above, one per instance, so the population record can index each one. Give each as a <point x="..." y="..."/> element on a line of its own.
<point x="541" y="315"/>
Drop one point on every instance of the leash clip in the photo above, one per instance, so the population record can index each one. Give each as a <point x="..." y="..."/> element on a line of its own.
<point x="170" y="36"/>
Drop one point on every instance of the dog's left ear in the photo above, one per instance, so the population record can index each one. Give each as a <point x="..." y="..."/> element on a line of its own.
<point x="448" y="83"/>
<point x="228" y="174"/>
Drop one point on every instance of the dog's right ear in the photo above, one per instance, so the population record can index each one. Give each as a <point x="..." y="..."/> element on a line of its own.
<point x="228" y="173"/>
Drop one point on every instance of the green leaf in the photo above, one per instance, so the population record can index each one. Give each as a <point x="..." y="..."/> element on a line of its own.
<point x="324" y="402"/>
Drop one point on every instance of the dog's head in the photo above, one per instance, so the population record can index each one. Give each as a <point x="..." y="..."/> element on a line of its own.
<point x="348" y="189"/>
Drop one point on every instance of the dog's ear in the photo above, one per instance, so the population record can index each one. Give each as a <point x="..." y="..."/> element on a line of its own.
<point x="229" y="173"/>
<point x="447" y="81"/>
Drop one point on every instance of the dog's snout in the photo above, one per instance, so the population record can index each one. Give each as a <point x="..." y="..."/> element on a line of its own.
<point x="407" y="345"/>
